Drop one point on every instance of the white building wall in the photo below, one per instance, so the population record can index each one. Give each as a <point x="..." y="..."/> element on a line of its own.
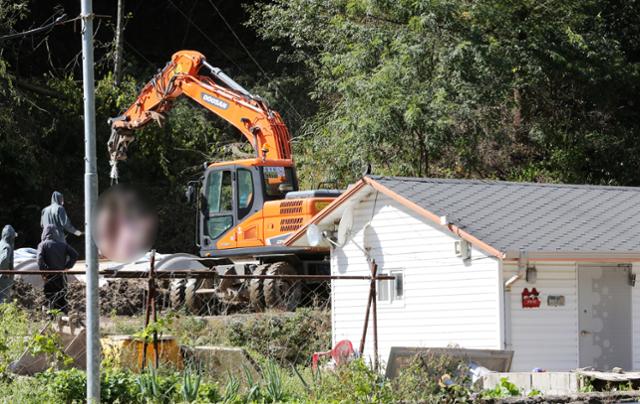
<point x="544" y="337"/>
<point x="635" y="317"/>
<point x="446" y="302"/>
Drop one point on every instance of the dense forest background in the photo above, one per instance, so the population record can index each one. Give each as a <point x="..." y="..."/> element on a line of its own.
<point x="523" y="90"/>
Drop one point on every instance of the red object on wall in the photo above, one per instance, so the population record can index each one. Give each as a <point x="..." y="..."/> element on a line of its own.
<point x="530" y="299"/>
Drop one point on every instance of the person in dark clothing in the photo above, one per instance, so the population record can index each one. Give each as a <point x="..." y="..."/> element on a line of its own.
<point x="56" y="215"/>
<point x="6" y="261"/>
<point x="55" y="255"/>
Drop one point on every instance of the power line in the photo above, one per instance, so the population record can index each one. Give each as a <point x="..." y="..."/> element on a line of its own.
<point x="133" y="48"/>
<point x="207" y="37"/>
<point x="251" y="56"/>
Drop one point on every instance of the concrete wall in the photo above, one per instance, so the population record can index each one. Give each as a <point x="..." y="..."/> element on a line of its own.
<point x="446" y="302"/>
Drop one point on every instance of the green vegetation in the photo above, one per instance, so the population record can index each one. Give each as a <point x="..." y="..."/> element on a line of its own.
<point x="288" y="338"/>
<point x="355" y="382"/>
<point x="280" y="377"/>
<point x="491" y="89"/>
<point x="504" y="389"/>
<point x="524" y="91"/>
<point x="451" y="88"/>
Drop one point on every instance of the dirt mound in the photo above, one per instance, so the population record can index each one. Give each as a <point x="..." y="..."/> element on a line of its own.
<point x="120" y="297"/>
<point x="27" y="296"/>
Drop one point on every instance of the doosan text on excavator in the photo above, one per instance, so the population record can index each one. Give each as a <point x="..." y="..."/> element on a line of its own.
<point x="245" y="208"/>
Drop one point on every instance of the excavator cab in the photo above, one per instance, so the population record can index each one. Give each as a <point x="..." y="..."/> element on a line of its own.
<point x="232" y="202"/>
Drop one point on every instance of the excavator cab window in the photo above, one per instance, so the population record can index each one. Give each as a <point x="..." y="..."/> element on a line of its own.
<point x="245" y="192"/>
<point x="219" y="203"/>
<point x="278" y="181"/>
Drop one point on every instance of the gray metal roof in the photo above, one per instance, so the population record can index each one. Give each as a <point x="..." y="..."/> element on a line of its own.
<point x="512" y="216"/>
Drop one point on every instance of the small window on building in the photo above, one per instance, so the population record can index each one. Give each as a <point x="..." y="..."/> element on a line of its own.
<point x="391" y="290"/>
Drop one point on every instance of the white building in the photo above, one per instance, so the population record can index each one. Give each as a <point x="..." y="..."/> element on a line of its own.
<point x="576" y="246"/>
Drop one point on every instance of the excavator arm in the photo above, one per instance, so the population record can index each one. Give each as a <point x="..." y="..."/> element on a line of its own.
<point x="262" y="126"/>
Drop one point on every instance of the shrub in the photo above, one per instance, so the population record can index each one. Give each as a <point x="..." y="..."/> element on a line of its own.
<point x="503" y="389"/>
<point x="353" y="383"/>
<point x="68" y="385"/>
<point x="432" y="376"/>
<point x="118" y="385"/>
<point x="14" y="326"/>
<point x="25" y="390"/>
<point x="288" y="339"/>
<point x="209" y="393"/>
<point x="156" y="388"/>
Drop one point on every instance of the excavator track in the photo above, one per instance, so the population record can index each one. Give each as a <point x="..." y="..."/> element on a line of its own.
<point x="256" y="289"/>
<point x="282" y="294"/>
<point x="177" y="293"/>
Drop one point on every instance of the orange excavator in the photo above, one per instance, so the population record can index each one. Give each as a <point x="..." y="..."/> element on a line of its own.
<point x="246" y="208"/>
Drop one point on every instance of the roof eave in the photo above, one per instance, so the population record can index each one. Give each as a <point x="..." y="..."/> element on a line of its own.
<point x="435" y="219"/>
<point x="575" y="256"/>
<point x="325" y="212"/>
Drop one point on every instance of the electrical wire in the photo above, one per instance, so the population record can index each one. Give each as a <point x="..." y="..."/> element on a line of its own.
<point x="235" y="35"/>
<point x="207" y="37"/>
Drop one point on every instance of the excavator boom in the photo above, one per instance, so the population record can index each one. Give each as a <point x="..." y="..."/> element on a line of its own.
<point x="217" y="92"/>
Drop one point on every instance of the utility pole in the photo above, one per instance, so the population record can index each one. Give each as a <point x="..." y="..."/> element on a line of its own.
<point x="90" y="198"/>
<point x="117" y="60"/>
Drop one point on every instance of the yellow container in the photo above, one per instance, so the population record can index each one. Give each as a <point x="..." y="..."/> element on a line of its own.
<point x="126" y="351"/>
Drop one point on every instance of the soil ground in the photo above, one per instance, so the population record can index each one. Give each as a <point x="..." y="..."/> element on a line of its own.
<point x="118" y="297"/>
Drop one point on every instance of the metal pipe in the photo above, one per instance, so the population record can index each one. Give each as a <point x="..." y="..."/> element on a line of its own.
<point x="152" y="292"/>
<point x="197" y="274"/>
<point x="90" y="197"/>
<point x="374" y="308"/>
<point x="150" y="310"/>
<point x="220" y="75"/>
<point x="366" y="314"/>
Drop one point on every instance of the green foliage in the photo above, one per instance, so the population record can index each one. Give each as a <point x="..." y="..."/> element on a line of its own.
<point x="154" y="388"/>
<point x="424" y="379"/>
<point x="456" y="88"/>
<point x="353" y="383"/>
<point x="231" y="391"/>
<point x="504" y="389"/>
<point x="69" y="385"/>
<point x="273" y="385"/>
<point x="285" y="338"/>
<point x="586" y="384"/>
<point x="190" y="385"/>
<point x="209" y="393"/>
<point x="534" y="393"/>
<point x="448" y="88"/>
<point x="14" y="327"/>
<point x="117" y="385"/>
<point x="158" y="327"/>
<point x="27" y="390"/>
<point x="48" y="343"/>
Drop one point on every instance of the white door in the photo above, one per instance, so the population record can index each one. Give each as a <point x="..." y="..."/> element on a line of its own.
<point x="604" y="304"/>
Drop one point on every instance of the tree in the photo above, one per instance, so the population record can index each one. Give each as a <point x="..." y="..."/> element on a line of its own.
<point x="490" y="89"/>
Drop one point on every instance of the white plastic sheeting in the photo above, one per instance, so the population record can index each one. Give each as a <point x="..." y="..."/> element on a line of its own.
<point x="26" y="260"/>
